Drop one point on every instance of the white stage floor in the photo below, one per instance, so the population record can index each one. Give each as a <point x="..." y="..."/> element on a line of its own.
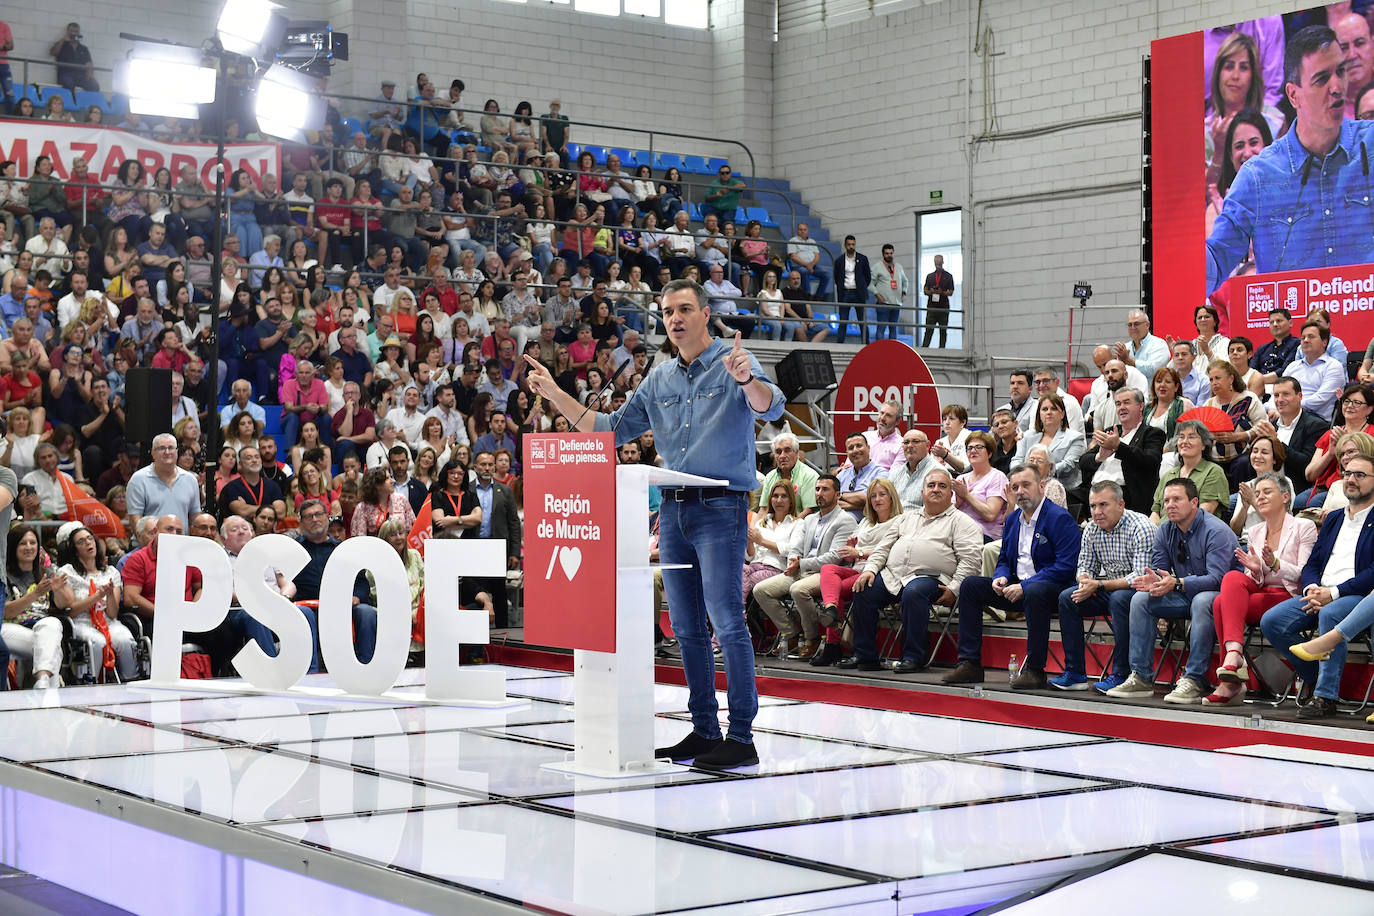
<point x="211" y="801"/>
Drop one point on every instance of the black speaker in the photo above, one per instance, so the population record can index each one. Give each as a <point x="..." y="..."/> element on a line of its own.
<point x="805" y="370"/>
<point x="147" y="405"/>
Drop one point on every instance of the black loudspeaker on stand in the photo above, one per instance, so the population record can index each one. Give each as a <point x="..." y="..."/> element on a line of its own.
<point x="147" y="405"/>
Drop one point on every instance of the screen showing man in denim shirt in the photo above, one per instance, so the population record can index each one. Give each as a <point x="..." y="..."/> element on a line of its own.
<point x="1305" y="200"/>
<point x="701" y="407"/>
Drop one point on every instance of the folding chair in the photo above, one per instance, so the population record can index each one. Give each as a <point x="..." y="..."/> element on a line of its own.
<point x="1174" y="644"/>
<point x="1369" y="687"/>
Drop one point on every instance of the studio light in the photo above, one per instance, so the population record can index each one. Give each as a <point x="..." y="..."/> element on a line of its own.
<point x="288" y="104"/>
<point x="167" y="80"/>
<point x="252" y="28"/>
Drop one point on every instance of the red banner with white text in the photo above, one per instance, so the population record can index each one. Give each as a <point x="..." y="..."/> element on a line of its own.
<point x="570" y="596"/>
<point x="1347" y="292"/>
<point x="106" y="147"/>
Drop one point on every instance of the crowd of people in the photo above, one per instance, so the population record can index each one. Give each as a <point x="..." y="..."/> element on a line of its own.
<point x="1204" y="480"/>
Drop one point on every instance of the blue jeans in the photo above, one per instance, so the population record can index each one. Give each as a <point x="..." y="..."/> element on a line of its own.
<point x="1116" y="605"/>
<point x="886" y="318"/>
<point x="1144" y="610"/>
<point x="710" y="535"/>
<point x="543" y="256"/>
<point x="1285" y="623"/>
<point x="248" y="627"/>
<point x="856" y="298"/>
<point x="1037" y="601"/>
<point x="4" y="649"/>
<point x="916" y="598"/>
<point x="245" y="226"/>
<point x="364" y="631"/>
<point x="821" y="277"/>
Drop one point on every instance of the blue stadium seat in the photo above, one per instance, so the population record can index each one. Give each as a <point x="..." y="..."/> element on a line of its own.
<point x="694" y="211"/>
<point x="740" y="219"/>
<point x="696" y="165"/>
<point x="761" y="214"/>
<point x="273" y="425"/>
<point x="598" y="153"/>
<point x="574" y="150"/>
<point x="642" y="157"/>
<point x="47" y="92"/>
<point x="624" y="155"/>
<point x="29" y="92"/>
<point x="353" y="126"/>
<point x="119" y="102"/>
<point x="85" y="99"/>
<point x="668" y="161"/>
<point x="714" y="163"/>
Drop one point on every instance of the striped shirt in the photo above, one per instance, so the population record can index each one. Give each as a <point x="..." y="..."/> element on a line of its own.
<point x="1122" y="553"/>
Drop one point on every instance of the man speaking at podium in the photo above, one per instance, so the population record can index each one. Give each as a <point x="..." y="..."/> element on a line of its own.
<point x="701" y="408"/>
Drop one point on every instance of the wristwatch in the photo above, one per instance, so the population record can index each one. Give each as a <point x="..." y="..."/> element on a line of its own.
<point x="1178" y="584"/>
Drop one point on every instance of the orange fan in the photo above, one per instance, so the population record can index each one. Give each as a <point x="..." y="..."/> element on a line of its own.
<point x="1214" y="418"/>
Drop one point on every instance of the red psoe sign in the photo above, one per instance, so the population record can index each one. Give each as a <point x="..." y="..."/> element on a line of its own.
<point x="882" y="371"/>
<point x="570" y="585"/>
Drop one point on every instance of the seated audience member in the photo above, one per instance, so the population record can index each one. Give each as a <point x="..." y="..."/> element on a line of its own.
<point x="1145" y="351"/>
<point x="240" y="400"/>
<point x="1322" y="470"/>
<point x="1266" y="454"/>
<point x="860" y="472"/>
<point x="1279" y="545"/>
<point x="765" y="554"/>
<point x="378" y="502"/>
<point x="246" y="492"/>
<point x="815" y="541"/>
<point x="31" y="629"/>
<point x="314" y="537"/>
<point x="1007" y="434"/>
<point x="917" y="558"/>
<point x="1193" y="550"/>
<point x="354" y="427"/>
<point x="1321" y="376"/>
<point x="1229" y="394"/>
<point x="949" y="448"/>
<point x="162" y="488"/>
<point x="1193" y="376"/>
<point x="1038" y="560"/>
<point x="235" y="533"/>
<point x="789" y="468"/>
<point x="1191" y="444"/>
<point x="500" y="520"/>
<point x="1064" y="445"/>
<point x="1167" y="402"/>
<point x="1113" y="376"/>
<point x="1021" y="400"/>
<point x="90" y="591"/>
<point x="1115" y="551"/>
<point x="908" y="475"/>
<point x="1297" y="428"/>
<point x="981" y="493"/>
<point x="885" y="439"/>
<point x="1336" y="579"/>
<point x="1126" y="453"/>
<point x="1238" y="353"/>
<point x="45" y="480"/>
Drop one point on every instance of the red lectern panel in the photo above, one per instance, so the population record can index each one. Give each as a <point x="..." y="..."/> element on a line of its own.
<point x="570" y="596"/>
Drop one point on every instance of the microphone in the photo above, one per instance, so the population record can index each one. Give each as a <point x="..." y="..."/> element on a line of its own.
<point x="1306" y="173"/>
<point x="609" y="384"/>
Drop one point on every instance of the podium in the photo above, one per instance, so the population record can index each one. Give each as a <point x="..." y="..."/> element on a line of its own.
<point x="612" y="641"/>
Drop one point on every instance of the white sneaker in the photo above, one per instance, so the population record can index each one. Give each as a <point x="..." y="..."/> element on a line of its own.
<point x="42" y="682"/>
<point x="1134" y="687"/>
<point x="1187" y="691"/>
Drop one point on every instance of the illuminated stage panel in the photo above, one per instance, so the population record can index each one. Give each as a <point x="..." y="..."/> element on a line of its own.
<point x="667" y="697"/>
<point x="1134" y="889"/>
<point x="235" y="706"/>
<point x="371" y="722"/>
<point x="556" y="862"/>
<point x="704" y="807"/>
<point x="243" y="785"/>
<point x="1242" y="776"/>
<point x="44" y="734"/>
<point x="932" y="734"/>
<point x="1343" y="849"/>
<point x="923" y="843"/>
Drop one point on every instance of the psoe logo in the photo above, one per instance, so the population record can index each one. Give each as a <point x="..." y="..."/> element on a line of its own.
<point x="1292" y="295"/>
<point x="1260" y="298"/>
<point x="543" y="452"/>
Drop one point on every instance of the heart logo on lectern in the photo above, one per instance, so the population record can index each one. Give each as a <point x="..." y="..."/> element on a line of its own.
<point x="570" y="558"/>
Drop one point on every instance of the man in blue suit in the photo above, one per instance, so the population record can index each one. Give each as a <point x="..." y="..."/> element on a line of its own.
<point x="1338" y="575"/>
<point x="852" y="276"/>
<point x="1039" y="559"/>
<point x="1193" y="549"/>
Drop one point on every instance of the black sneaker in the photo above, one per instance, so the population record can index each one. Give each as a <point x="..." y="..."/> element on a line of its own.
<point x="727" y="755"/>
<point x="688" y="748"/>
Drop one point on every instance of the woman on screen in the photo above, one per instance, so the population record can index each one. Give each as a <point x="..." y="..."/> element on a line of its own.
<point x="1246" y="138"/>
<point x="1237" y="84"/>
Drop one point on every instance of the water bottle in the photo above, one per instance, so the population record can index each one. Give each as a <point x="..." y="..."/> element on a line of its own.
<point x="1013" y="669"/>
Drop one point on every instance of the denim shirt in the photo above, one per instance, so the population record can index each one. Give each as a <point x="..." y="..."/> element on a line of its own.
<point x="1325" y="224"/>
<point x="1200" y="556"/>
<point x="701" y="419"/>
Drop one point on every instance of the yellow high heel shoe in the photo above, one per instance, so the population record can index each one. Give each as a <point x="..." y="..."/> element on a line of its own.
<point x="1306" y="656"/>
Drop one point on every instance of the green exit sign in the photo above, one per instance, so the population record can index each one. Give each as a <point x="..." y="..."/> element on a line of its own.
<point x="937" y="196"/>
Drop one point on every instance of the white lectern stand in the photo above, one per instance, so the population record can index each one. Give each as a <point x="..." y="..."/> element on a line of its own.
<point x="613" y="716"/>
